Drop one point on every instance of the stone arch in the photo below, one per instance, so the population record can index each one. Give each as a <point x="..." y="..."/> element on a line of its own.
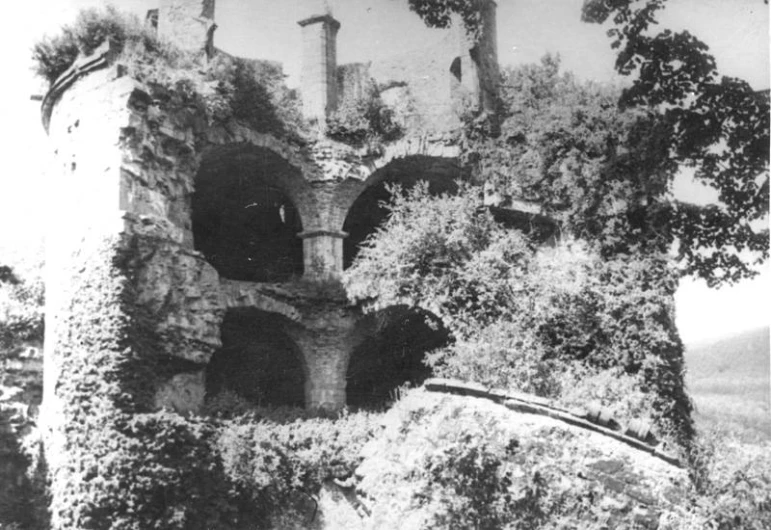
<point x="366" y="211"/>
<point x="259" y="361"/>
<point x="247" y="211"/>
<point x="398" y="337"/>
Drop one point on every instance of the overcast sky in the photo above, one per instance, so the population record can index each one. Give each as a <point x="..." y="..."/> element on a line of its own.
<point x="735" y="30"/>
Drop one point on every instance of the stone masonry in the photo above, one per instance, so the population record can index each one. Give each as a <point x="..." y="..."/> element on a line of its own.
<point x="130" y="166"/>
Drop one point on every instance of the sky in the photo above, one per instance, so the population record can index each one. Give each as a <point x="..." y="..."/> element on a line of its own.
<point x="737" y="32"/>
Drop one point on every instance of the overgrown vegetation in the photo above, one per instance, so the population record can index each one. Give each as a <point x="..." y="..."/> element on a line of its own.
<point x="21" y="309"/>
<point x="538" y="322"/>
<point x="273" y="464"/>
<point x="589" y="320"/>
<point x="731" y="486"/>
<point x="364" y="121"/>
<point x="222" y="87"/>
<point x="22" y="475"/>
<point x="684" y="115"/>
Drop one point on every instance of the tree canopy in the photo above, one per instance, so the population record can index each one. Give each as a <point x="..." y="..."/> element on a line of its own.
<point x="685" y="116"/>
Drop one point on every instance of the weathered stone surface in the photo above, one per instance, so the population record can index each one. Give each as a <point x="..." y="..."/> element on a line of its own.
<point x="183" y="393"/>
<point x="246" y="294"/>
<point x="186" y="23"/>
<point x="130" y="158"/>
<point x="180" y="292"/>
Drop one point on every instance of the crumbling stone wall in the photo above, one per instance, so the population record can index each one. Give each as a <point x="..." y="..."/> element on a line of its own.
<point x="132" y="158"/>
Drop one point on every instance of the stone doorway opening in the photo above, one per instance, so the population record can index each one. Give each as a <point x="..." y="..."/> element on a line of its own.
<point x="393" y="355"/>
<point x="244" y="221"/>
<point x="258" y="360"/>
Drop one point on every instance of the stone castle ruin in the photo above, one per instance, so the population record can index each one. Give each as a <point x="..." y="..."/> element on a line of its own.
<point x="211" y="251"/>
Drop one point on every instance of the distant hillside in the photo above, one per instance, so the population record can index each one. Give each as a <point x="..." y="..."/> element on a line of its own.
<point x="746" y="353"/>
<point x="729" y="381"/>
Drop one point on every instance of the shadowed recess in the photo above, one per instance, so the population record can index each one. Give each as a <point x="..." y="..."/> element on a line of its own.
<point x="393" y="355"/>
<point x="244" y="222"/>
<point x="258" y="361"/>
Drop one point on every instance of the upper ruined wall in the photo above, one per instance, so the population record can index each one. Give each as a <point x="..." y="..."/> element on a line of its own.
<point x="427" y="88"/>
<point x="187" y="24"/>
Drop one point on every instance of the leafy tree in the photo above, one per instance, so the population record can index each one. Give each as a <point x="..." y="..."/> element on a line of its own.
<point x="21" y="309"/>
<point x="691" y="117"/>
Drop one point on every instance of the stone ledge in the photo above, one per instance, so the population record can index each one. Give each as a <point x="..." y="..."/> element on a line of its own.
<point x="534" y="405"/>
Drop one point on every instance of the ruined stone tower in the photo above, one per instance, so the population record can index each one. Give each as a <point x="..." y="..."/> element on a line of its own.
<point x="211" y="251"/>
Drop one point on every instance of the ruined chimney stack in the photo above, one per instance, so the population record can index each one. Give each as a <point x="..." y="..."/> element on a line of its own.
<point x="318" y="81"/>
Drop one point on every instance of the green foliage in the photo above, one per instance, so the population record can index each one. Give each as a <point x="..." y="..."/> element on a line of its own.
<point x="253" y="92"/>
<point x="601" y="174"/>
<point x="717" y="125"/>
<point x="446" y="462"/>
<point x="54" y="55"/>
<point x="438" y="13"/>
<point x="731" y="486"/>
<point x="145" y="471"/>
<point x="363" y="121"/>
<point x="21" y="309"/>
<point x="269" y="463"/>
<point x="223" y="88"/>
<point x="471" y="486"/>
<point x="429" y="254"/>
<point x="537" y="322"/>
<point x="606" y="174"/>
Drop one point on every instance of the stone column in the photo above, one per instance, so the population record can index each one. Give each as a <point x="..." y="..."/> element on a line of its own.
<point x="318" y="84"/>
<point x="325" y="383"/>
<point x="323" y="253"/>
<point x="327" y="339"/>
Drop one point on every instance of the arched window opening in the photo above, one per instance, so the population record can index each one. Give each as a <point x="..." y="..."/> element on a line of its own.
<point x="368" y="211"/>
<point x="243" y="221"/>
<point x="393" y="355"/>
<point x="258" y="361"/>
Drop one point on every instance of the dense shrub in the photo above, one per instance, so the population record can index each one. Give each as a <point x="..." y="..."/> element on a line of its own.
<point x="224" y="87"/>
<point x="271" y="463"/>
<point x="21" y="308"/>
<point x="145" y="471"/>
<point x="450" y="462"/>
<point x="53" y="55"/>
<point x="535" y="321"/>
<point x="363" y="120"/>
<point x="730" y="489"/>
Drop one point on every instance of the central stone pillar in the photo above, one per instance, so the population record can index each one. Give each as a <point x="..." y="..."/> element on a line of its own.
<point x="327" y="339"/>
<point x="323" y="253"/>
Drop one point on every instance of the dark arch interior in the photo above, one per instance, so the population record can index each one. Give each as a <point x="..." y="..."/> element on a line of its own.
<point x="258" y="360"/>
<point x="393" y="355"/>
<point x="367" y="213"/>
<point x="243" y="221"/>
<point x="455" y="69"/>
